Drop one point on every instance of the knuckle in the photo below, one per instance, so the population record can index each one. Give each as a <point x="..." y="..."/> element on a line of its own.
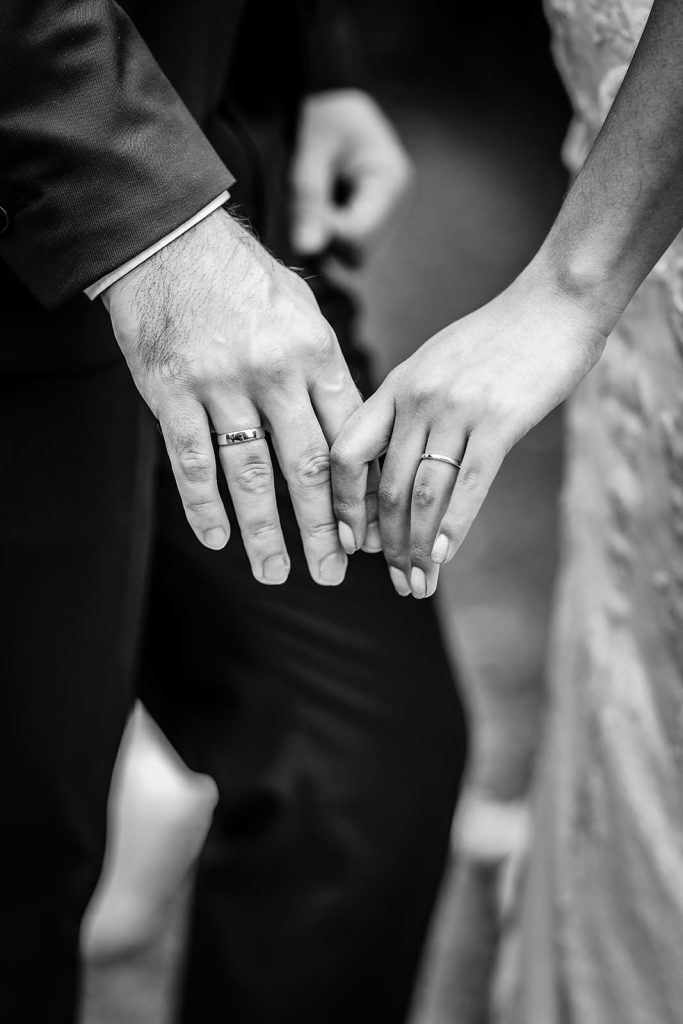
<point x="420" y="552"/>
<point x="335" y="382"/>
<point x="323" y="530"/>
<point x="344" y="506"/>
<point x="195" y="466"/>
<point x="320" y="341"/>
<point x="341" y="456"/>
<point x="390" y="498"/>
<point x="423" y="394"/>
<point x="271" y="364"/>
<point x="472" y="475"/>
<point x="312" y="469"/>
<point x="395" y="555"/>
<point x="201" y="509"/>
<point x="254" y="477"/>
<point x="261" y="530"/>
<point x="454" y="401"/>
<point x="424" y="495"/>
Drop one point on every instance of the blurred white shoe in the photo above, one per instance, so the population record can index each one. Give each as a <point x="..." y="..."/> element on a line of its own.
<point x="159" y="815"/>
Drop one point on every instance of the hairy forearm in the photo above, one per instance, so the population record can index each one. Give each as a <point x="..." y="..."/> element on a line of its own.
<point x="626" y="204"/>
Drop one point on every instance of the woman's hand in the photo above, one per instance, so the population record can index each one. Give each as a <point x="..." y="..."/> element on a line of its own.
<point x="468" y="393"/>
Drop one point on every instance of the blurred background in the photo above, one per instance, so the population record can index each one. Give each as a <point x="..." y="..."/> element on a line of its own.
<point x="474" y="94"/>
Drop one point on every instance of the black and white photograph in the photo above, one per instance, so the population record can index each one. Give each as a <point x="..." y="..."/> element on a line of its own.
<point x="341" y="528"/>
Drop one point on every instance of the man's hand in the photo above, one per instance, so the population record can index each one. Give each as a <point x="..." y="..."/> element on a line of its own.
<point x="349" y="174"/>
<point x="217" y="333"/>
<point x="469" y="393"/>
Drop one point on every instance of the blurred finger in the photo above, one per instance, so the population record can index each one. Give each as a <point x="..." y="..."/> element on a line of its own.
<point x="373" y="199"/>
<point x="188" y="442"/>
<point x="249" y="474"/>
<point x="311" y="182"/>
<point x="479" y="465"/>
<point x="304" y="456"/>
<point x="363" y="438"/>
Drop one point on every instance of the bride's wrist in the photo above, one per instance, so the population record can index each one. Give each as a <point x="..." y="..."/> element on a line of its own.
<point x="577" y="279"/>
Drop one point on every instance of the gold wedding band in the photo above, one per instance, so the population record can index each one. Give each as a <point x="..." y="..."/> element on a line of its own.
<point x="440" y="458"/>
<point x="240" y="436"/>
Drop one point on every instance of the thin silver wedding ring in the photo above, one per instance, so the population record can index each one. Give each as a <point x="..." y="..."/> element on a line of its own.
<point x="240" y="436"/>
<point x="434" y="457"/>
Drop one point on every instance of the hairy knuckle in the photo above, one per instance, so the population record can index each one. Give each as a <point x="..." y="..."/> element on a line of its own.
<point x="180" y="437"/>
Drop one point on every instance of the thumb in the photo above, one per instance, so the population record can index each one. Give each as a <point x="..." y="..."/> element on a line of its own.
<point x="363" y="438"/>
<point x="311" y="182"/>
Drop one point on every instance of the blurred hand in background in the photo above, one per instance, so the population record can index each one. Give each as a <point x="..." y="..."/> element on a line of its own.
<point x="349" y="176"/>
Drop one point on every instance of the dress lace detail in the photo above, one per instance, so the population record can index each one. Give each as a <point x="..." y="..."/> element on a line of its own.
<point x="602" y="924"/>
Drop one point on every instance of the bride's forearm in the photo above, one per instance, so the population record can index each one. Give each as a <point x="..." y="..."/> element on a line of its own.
<point x="626" y="204"/>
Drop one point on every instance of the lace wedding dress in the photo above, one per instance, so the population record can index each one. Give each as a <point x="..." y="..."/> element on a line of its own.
<point x="602" y="921"/>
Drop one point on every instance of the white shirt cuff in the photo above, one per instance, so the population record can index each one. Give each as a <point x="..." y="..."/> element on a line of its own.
<point x="104" y="282"/>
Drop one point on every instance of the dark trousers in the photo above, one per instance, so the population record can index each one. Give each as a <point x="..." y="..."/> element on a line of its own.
<point x="327" y="716"/>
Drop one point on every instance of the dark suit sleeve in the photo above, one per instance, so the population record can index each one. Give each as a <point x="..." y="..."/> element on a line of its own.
<point x="99" y="158"/>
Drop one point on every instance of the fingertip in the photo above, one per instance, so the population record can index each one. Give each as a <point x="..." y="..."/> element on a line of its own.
<point x="440" y="549"/>
<point x="346" y="538"/>
<point x="215" y="538"/>
<point x="418" y="583"/>
<point x="275" y="570"/>
<point x="373" y="540"/>
<point x="432" y="582"/>
<point x="400" y="581"/>
<point x="332" y="569"/>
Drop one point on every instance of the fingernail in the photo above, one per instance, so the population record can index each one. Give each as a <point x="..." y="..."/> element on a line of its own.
<point x="333" y="568"/>
<point x="275" y="569"/>
<point x="400" y="581"/>
<point x="373" y="539"/>
<point x="215" y="538"/>
<point x="432" y="583"/>
<point x="440" y="549"/>
<point x="347" y="539"/>
<point x="418" y="582"/>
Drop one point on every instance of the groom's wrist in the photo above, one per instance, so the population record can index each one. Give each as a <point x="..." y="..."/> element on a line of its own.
<point x="98" y="288"/>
